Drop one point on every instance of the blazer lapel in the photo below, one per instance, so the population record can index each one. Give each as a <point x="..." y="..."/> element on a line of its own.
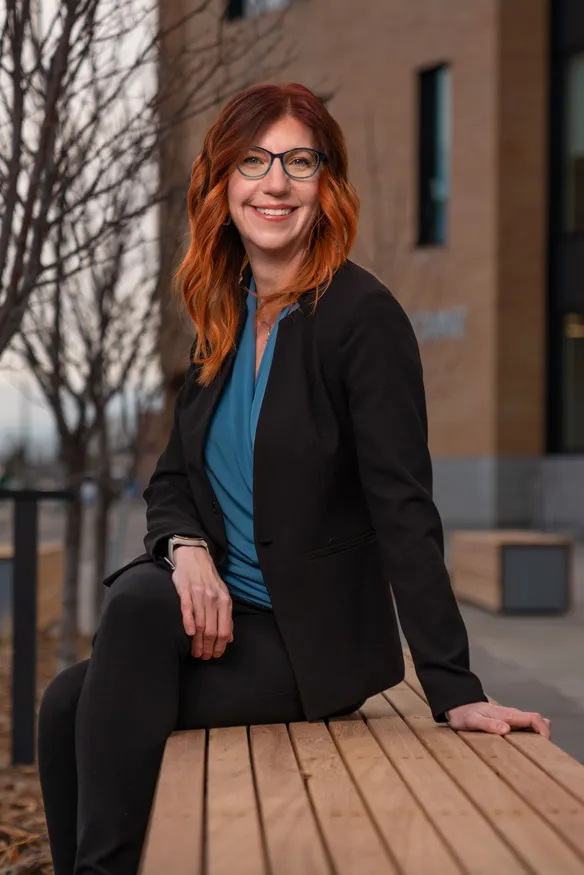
<point x="198" y="410"/>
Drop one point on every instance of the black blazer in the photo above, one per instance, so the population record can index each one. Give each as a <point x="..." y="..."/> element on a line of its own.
<point x="342" y="501"/>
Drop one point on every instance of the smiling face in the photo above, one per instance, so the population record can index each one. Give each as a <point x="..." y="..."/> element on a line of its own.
<point x="285" y="233"/>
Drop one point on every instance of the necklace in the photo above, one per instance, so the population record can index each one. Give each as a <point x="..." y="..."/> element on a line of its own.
<point x="268" y="326"/>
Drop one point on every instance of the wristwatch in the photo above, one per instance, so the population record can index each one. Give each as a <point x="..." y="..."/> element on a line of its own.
<point x="183" y="541"/>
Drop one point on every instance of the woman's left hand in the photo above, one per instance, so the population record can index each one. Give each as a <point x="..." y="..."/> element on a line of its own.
<point x="485" y="717"/>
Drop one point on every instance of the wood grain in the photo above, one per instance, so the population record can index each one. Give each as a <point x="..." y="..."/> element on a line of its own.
<point x="175" y="833"/>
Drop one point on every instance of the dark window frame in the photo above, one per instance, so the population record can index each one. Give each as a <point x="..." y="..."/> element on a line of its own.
<point x="566" y="231"/>
<point x="235" y="10"/>
<point x="432" y="219"/>
<point x="565" y="249"/>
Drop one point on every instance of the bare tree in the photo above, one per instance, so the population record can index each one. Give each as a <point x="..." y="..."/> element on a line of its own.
<point x="84" y="266"/>
<point x="80" y="113"/>
<point x="125" y="357"/>
<point x="92" y="337"/>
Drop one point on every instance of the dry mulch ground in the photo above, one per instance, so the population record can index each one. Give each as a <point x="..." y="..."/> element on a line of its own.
<point x="24" y="846"/>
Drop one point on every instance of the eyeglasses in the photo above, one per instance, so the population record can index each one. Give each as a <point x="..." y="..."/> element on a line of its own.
<point x="296" y="163"/>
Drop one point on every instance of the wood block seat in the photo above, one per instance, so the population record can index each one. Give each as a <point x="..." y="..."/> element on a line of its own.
<point x="512" y="571"/>
<point x="384" y="791"/>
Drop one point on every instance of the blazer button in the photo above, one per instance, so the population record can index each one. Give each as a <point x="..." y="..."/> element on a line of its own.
<point x="214" y="507"/>
<point x="266" y="542"/>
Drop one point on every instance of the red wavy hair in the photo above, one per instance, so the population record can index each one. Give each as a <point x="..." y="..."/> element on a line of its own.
<point x="209" y="274"/>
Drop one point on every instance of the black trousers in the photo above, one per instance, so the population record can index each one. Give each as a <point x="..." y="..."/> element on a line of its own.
<point x="103" y="723"/>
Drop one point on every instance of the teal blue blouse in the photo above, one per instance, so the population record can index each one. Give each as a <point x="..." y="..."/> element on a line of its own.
<point x="229" y="457"/>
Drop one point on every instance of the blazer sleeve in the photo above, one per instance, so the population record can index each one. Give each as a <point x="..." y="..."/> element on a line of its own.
<point x="170" y="505"/>
<point x="383" y="380"/>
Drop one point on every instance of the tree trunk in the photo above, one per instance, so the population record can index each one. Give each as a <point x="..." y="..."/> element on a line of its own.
<point x="73" y="530"/>
<point x="103" y="509"/>
<point x="104" y="504"/>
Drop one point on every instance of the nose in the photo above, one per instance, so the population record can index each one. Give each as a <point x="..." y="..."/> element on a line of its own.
<point x="276" y="181"/>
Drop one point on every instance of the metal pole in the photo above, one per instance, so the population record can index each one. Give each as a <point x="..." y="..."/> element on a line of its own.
<point x="24" y="619"/>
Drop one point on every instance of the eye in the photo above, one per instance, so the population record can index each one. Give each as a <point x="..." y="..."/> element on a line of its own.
<point x="301" y="162"/>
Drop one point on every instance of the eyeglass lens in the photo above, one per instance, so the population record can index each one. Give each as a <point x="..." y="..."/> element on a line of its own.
<point x="299" y="163"/>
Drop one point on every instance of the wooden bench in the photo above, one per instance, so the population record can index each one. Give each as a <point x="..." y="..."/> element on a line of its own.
<point x="512" y="571"/>
<point x="384" y="790"/>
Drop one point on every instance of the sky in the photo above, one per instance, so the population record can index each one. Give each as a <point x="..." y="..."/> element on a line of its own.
<point x="23" y="412"/>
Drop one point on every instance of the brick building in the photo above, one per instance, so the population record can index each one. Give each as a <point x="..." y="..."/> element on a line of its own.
<point x="465" y="128"/>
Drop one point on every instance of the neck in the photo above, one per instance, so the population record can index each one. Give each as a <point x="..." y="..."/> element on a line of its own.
<point x="272" y="273"/>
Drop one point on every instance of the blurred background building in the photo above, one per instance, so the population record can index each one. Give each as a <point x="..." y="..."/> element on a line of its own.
<point x="465" y="128"/>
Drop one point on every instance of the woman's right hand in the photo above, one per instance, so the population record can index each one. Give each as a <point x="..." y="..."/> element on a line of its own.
<point x="205" y="601"/>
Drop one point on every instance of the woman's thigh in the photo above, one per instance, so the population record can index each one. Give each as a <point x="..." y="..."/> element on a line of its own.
<point x="252" y="682"/>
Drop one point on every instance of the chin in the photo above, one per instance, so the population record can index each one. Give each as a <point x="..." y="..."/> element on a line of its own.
<point x="272" y="243"/>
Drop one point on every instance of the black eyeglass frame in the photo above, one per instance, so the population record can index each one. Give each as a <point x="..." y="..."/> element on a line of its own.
<point x="273" y="155"/>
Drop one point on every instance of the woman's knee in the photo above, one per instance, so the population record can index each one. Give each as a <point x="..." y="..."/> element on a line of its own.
<point x="142" y="596"/>
<point x="59" y="701"/>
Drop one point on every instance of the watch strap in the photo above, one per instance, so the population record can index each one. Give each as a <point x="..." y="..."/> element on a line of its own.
<point x="183" y="541"/>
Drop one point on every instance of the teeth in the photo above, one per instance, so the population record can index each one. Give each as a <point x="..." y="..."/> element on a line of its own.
<point x="274" y="212"/>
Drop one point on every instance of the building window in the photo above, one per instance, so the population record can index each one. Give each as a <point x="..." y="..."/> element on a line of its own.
<point x="234" y="9"/>
<point x="249" y="8"/>
<point x="434" y="148"/>
<point x="574" y="145"/>
<point x="573" y="383"/>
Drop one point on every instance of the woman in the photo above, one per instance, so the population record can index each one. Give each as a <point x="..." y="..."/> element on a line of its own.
<point x="295" y="486"/>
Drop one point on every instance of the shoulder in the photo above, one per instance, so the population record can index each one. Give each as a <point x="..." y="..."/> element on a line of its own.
<point x="357" y="299"/>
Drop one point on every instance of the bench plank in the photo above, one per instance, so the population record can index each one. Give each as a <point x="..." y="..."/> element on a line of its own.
<point x="554" y="761"/>
<point x="468" y="833"/>
<point x="532" y="837"/>
<point x="293" y="842"/>
<point x="546" y="796"/>
<point x="234" y="843"/>
<point x="413" y="839"/>
<point x="175" y="832"/>
<point x="352" y="840"/>
<point x="379" y="791"/>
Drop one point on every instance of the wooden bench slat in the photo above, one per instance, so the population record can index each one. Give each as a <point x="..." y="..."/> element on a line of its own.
<point x="546" y="796"/>
<point x="526" y="831"/>
<point x="174" y="838"/>
<point x="379" y="791"/>
<point x="464" y="828"/>
<point x="234" y="842"/>
<point x="293" y="842"/>
<point x="413" y="839"/>
<point x="352" y="840"/>
<point x="550" y="758"/>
